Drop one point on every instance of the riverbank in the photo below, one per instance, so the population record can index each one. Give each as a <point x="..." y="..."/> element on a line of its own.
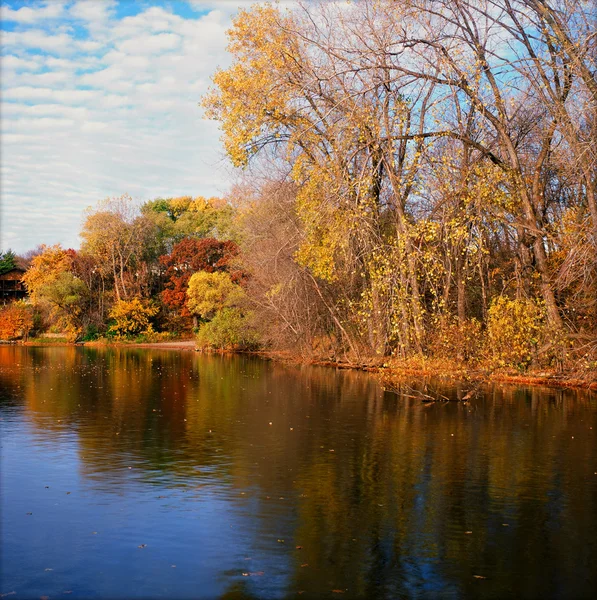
<point x="392" y="372"/>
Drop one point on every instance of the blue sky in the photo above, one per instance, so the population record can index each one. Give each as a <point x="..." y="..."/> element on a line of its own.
<point x="100" y="98"/>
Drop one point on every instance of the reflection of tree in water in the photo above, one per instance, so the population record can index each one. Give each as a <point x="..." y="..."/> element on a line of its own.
<point x="379" y="491"/>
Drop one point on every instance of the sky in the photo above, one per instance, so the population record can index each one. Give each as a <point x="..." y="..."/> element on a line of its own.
<point x="99" y="98"/>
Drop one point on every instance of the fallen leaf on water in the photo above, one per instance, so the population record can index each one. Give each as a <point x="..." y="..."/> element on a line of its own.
<point x="479" y="577"/>
<point x="337" y="591"/>
<point x="299" y="547"/>
<point x="505" y="525"/>
<point x="305" y="565"/>
<point x="142" y="546"/>
<point x="468" y="532"/>
<point x="67" y="493"/>
<point x="281" y="541"/>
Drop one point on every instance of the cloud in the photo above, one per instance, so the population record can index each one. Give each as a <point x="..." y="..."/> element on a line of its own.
<point x="60" y="43"/>
<point x="92" y="13"/>
<point x="150" y="44"/>
<point x="16" y="63"/>
<point x="28" y="15"/>
<point x="96" y="106"/>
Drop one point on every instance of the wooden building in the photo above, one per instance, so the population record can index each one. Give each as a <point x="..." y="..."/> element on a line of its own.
<point x="11" y="286"/>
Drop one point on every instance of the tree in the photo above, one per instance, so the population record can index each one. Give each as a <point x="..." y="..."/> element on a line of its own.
<point x="209" y="293"/>
<point x="221" y="304"/>
<point x="45" y="269"/>
<point x="189" y="256"/>
<point x="7" y="261"/>
<point x="16" y="320"/>
<point x="52" y="284"/>
<point x="132" y="317"/>
<point x="120" y="239"/>
<point x="435" y="148"/>
<point x="199" y="217"/>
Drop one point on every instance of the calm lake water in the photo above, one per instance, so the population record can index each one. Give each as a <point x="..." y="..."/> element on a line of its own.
<point x="164" y="474"/>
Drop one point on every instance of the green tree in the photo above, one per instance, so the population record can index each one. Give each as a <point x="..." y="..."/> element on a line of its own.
<point x="7" y="261"/>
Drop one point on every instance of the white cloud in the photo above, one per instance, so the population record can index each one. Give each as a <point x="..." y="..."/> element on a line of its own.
<point x="38" y="39"/>
<point x="93" y="12"/>
<point x="71" y="96"/>
<point x="26" y="14"/>
<point x="16" y="63"/>
<point x="150" y="44"/>
<point x="94" y="126"/>
<point x="114" y="111"/>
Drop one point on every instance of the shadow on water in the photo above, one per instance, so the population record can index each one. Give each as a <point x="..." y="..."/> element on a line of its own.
<point x="170" y="474"/>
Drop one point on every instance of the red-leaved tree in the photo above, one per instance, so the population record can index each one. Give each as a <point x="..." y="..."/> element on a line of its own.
<point x="189" y="256"/>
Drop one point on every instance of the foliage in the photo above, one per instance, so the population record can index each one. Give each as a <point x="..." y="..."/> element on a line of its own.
<point x="209" y="293"/>
<point x="420" y="194"/>
<point x="45" y="268"/>
<point x="132" y="317"/>
<point x="229" y="328"/>
<point x="16" y="320"/>
<point x="7" y="261"/>
<point x="121" y="240"/>
<point x="190" y="256"/>
<point x="514" y="329"/>
<point x="199" y="217"/>
<point x="90" y="334"/>
<point x="457" y="341"/>
<point x="55" y="289"/>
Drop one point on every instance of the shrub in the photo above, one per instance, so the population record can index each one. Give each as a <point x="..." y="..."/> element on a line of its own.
<point x="91" y="333"/>
<point x="132" y="317"/>
<point x="16" y="320"/>
<point x="229" y="329"/>
<point x="513" y="331"/>
<point x="453" y="340"/>
<point x="151" y="337"/>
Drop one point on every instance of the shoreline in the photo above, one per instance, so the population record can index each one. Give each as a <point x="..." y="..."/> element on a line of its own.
<point x="390" y="373"/>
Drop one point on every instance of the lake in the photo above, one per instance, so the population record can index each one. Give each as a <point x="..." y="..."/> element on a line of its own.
<point x="129" y="473"/>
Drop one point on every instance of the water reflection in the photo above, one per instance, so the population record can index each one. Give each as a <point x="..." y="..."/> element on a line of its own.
<point x="257" y="479"/>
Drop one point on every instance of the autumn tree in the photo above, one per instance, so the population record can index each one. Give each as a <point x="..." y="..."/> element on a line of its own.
<point x="16" y="321"/>
<point x="435" y="148"/>
<point x="222" y="305"/>
<point x="189" y="256"/>
<point x="186" y="216"/>
<point x="120" y="239"/>
<point x="132" y="317"/>
<point x="52" y="284"/>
